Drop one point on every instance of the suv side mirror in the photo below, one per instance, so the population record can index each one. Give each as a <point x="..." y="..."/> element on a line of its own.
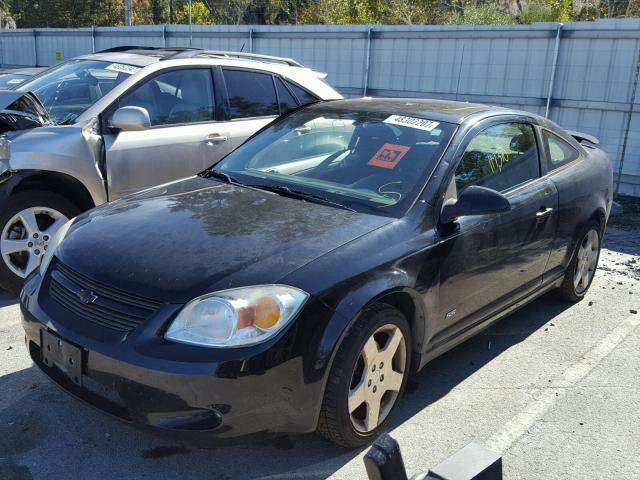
<point x="131" y="119"/>
<point x="474" y="200"/>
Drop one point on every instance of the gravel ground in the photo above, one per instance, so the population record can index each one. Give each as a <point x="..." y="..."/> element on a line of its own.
<point x="553" y="387"/>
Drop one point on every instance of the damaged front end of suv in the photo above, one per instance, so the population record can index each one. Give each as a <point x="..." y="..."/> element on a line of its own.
<point x="18" y="111"/>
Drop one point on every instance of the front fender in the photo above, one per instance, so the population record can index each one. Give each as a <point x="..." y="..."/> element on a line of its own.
<point x="70" y="150"/>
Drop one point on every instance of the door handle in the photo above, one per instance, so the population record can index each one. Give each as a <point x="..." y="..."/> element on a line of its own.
<point x="543" y="213"/>
<point x="216" y="138"/>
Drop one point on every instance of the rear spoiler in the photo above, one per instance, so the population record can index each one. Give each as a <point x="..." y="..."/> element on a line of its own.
<point x="580" y="137"/>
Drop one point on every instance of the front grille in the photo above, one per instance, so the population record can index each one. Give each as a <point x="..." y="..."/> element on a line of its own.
<point x="98" y="303"/>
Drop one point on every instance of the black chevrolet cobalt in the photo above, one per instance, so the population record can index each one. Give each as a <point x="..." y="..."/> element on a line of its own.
<point x="294" y="286"/>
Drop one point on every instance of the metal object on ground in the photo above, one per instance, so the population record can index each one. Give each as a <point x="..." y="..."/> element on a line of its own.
<point x="384" y="460"/>
<point x="473" y="462"/>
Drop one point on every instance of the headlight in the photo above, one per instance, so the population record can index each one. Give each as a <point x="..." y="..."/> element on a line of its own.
<point x="237" y="317"/>
<point x="53" y="245"/>
<point x="5" y="148"/>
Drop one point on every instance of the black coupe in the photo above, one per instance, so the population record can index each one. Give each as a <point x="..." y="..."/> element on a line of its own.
<point x="295" y="285"/>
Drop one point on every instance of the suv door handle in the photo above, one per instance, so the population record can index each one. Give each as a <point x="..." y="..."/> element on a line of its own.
<point x="216" y="138"/>
<point x="543" y="213"/>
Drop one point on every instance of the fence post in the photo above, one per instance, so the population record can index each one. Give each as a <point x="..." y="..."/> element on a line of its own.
<point x="251" y="40"/>
<point x="554" y="66"/>
<point x="35" y="46"/>
<point x="93" y="38"/>
<point x="164" y="36"/>
<point x="368" y="63"/>
<point x="634" y="87"/>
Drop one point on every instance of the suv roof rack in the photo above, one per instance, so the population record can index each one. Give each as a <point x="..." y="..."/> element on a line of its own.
<point x="166" y="51"/>
<point x="195" y="53"/>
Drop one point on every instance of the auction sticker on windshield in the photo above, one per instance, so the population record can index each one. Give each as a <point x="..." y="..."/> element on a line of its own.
<point x="419" y="123"/>
<point x="121" y="67"/>
<point x="389" y="156"/>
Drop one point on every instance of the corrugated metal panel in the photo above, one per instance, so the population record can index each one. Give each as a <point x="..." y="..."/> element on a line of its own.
<point x="504" y="65"/>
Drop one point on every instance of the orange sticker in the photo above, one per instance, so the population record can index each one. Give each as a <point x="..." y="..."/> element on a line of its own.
<point x="389" y="156"/>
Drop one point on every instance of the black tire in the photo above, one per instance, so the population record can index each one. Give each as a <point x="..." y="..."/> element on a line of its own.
<point x="568" y="290"/>
<point x="12" y="205"/>
<point x="335" y="422"/>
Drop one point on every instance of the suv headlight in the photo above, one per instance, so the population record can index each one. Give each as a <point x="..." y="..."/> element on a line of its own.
<point x="56" y="239"/>
<point x="5" y="148"/>
<point x="237" y="317"/>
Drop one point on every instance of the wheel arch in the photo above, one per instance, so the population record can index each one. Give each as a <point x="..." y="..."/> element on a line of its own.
<point x="54" y="182"/>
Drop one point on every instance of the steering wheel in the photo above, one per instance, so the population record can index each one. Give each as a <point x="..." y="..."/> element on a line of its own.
<point x="323" y="166"/>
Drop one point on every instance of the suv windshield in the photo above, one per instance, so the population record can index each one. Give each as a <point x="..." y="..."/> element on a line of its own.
<point x="69" y="89"/>
<point x="359" y="159"/>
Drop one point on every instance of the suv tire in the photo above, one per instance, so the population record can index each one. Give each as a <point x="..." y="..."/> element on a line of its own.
<point x="28" y="220"/>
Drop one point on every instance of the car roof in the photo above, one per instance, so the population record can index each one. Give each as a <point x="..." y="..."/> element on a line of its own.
<point x="431" y="109"/>
<point x="143" y="56"/>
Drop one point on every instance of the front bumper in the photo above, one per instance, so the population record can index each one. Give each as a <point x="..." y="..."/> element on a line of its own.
<point x="193" y="394"/>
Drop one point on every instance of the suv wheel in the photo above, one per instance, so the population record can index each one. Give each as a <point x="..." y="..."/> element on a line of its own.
<point x="28" y="220"/>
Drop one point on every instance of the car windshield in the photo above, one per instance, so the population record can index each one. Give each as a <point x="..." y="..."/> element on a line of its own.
<point x="362" y="160"/>
<point x="69" y="89"/>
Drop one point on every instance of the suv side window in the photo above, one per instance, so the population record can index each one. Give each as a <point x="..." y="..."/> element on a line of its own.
<point x="285" y="99"/>
<point x="500" y="157"/>
<point x="175" y="97"/>
<point x="251" y="94"/>
<point x="559" y="151"/>
<point x="304" y="97"/>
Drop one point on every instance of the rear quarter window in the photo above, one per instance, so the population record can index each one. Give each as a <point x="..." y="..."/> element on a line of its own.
<point x="559" y="151"/>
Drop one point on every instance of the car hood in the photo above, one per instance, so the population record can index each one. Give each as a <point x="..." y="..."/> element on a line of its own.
<point x="21" y="110"/>
<point x="178" y="241"/>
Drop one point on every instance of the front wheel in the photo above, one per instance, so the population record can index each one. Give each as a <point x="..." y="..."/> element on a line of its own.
<point x="28" y="221"/>
<point x="580" y="272"/>
<point x="367" y="378"/>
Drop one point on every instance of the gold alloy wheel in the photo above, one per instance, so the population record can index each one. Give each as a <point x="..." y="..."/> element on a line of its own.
<point x="377" y="379"/>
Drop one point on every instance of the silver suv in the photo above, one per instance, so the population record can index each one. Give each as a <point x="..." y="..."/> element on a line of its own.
<point x="101" y="126"/>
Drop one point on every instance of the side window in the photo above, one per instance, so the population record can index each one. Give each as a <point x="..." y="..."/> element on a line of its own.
<point x="285" y="99"/>
<point x="175" y="97"/>
<point x="304" y="97"/>
<point x="251" y="94"/>
<point x="559" y="152"/>
<point x="500" y="157"/>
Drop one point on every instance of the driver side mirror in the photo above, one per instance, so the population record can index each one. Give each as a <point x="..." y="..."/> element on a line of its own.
<point x="131" y="119"/>
<point x="474" y="200"/>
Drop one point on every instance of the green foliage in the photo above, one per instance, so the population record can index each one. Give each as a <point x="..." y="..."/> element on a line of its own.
<point x="81" y="13"/>
<point x="487" y="14"/>
<point x="538" y="12"/>
<point x="200" y="14"/>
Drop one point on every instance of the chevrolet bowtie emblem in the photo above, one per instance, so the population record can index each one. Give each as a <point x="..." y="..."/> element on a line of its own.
<point x="86" y="296"/>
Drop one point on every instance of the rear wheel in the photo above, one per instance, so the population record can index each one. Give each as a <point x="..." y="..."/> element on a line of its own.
<point x="367" y="377"/>
<point x="28" y="221"/>
<point x="580" y="272"/>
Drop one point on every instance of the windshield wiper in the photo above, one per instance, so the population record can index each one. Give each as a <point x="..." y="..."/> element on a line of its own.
<point x="288" y="192"/>
<point x="221" y="175"/>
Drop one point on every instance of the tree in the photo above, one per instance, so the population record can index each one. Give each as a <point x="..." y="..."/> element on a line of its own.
<point x="6" y="19"/>
<point x="200" y="14"/>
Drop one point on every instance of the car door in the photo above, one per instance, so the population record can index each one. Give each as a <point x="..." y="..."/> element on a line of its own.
<point x="489" y="261"/>
<point x="184" y="138"/>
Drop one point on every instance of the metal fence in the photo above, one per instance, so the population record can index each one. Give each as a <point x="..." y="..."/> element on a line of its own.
<point x="584" y="74"/>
